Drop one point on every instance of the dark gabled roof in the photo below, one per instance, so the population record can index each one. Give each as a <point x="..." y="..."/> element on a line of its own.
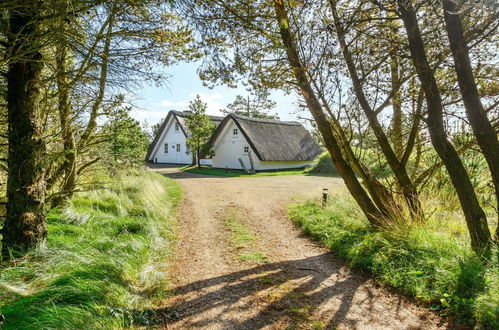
<point x="274" y="140"/>
<point x="180" y="117"/>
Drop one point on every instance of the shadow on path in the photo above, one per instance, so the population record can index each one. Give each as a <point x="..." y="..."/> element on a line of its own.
<point x="306" y="285"/>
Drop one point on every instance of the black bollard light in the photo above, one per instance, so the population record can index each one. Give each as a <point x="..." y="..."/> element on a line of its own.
<point x="325" y="192"/>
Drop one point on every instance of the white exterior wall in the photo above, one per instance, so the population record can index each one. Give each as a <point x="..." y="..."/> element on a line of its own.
<point x="229" y="147"/>
<point x="172" y="137"/>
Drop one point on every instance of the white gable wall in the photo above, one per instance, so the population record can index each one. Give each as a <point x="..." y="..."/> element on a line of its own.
<point x="172" y="137"/>
<point x="229" y="147"/>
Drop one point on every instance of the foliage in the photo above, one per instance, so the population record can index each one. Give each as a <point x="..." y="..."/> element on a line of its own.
<point x="427" y="261"/>
<point x="127" y="142"/>
<point x="323" y="165"/>
<point x="155" y="128"/>
<point x="258" y="106"/>
<point x="200" y="128"/>
<point x="103" y="266"/>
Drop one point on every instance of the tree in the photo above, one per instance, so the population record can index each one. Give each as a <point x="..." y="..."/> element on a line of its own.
<point x="258" y="105"/>
<point x="200" y="128"/>
<point x="69" y="64"/>
<point x="474" y="214"/>
<point x="485" y="133"/>
<point x="24" y="226"/>
<point x="155" y="128"/>
<point x="353" y="70"/>
<point x="127" y="141"/>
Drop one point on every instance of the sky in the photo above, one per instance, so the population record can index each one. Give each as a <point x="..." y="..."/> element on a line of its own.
<point x="152" y="103"/>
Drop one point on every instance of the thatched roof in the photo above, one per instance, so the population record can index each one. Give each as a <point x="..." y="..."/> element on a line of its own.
<point x="180" y="117"/>
<point x="274" y="140"/>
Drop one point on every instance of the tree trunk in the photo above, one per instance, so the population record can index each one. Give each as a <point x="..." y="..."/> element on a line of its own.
<point x="94" y="112"/>
<point x="474" y="214"/>
<point x="194" y="159"/>
<point x="24" y="226"/>
<point x="198" y="160"/>
<point x="483" y="130"/>
<point x="359" y="194"/>
<point x="379" y="194"/>
<point x="69" y="146"/>
<point x="398" y="145"/>
<point x="409" y="191"/>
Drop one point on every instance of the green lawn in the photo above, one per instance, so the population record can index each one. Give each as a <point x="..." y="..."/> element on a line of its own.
<point x="104" y="263"/>
<point x="206" y="170"/>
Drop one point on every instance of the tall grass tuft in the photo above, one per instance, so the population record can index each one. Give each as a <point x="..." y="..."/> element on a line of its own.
<point x="424" y="260"/>
<point x="103" y="265"/>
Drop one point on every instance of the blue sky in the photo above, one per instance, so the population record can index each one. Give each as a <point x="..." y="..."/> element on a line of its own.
<point x="152" y="103"/>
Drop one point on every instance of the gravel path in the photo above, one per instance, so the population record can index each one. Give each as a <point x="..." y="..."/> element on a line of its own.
<point x="301" y="286"/>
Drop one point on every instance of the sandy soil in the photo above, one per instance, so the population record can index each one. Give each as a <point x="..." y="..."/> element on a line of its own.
<point x="302" y="286"/>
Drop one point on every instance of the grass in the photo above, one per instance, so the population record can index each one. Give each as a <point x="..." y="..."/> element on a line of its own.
<point x="206" y="170"/>
<point x="103" y="264"/>
<point x="242" y="239"/>
<point x="241" y="236"/>
<point x="434" y="266"/>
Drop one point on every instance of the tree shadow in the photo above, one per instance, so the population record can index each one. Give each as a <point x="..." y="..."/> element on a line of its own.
<point x="267" y="294"/>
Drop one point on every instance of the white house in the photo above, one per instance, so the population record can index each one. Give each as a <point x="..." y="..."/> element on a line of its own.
<point x="273" y="144"/>
<point x="170" y="143"/>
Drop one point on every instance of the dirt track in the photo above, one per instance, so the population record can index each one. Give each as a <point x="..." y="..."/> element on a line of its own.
<point x="301" y="286"/>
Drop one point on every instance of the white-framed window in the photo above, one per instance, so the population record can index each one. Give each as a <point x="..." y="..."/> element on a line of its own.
<point x="178" y="147"/>
<point x="246" y="149"/>
<point x="235" y="131"/>
<point x="166" y="148"/>
<point x="177" y="126"/>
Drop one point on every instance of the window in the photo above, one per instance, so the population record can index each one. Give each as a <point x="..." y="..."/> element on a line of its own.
<point x="246" y="149"/>
<point x="178" y="147"/>
<point x="177" y="126"/>
<point x="235" y="131"/>
<point x="166" y="148"/>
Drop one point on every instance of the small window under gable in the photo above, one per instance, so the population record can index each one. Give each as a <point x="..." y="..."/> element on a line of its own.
<point x="177" y="126"/>
<point x="235" y="131"/>
<point x="166" y="148"/>
<point x="246" y="149"/>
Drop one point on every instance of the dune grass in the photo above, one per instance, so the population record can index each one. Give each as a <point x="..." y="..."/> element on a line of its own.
<point x="104" y="261"/>
<point x="437" y="267"/>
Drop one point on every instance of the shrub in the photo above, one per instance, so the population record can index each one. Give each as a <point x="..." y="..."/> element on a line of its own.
<point x="323" y="165"/>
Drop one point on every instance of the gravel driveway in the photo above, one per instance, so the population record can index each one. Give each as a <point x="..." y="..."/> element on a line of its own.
<point x="298" y="285"/>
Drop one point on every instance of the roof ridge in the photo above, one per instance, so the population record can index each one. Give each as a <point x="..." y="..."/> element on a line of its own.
<point x="265" y="120"/>
<point x="183" y="114"/>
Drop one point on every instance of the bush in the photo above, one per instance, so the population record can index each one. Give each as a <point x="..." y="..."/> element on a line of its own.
<point x="323" y="165"/>
<point x="432" y="266"/>
<point x="103" y="266"/>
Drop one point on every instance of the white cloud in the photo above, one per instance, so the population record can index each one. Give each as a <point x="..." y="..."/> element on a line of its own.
<point x="214" y="101"/>
<point x="152" y="116"/>
<point x="172" y="104"/>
